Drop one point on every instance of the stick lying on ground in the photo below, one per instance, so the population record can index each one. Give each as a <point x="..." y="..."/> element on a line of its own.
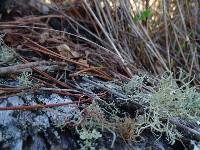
<point x="21" y="67"/>
<point x="120" y="95"/>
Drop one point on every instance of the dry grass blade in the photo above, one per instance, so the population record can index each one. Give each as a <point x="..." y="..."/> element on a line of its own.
<point x="107" y="36"/>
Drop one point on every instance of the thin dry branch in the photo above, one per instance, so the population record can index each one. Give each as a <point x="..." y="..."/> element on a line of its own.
<point x="17" y="68"/>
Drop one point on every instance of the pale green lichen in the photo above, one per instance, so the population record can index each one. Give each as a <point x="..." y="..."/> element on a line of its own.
<point x="25" y="79"/>
<point x="5" y="52"/>
<point x="137" y="90"/>
<point x="134" y="85"/>
<point x="162" y="101"/>
<point x="88" y="138"/>
<point x="166" y="102"/>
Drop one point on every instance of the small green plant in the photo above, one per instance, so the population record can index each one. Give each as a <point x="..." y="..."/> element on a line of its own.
<point x="88" y="138"/>
<point x="103" y="117"/>
<point x="24" y="79"/>
<point x="143" y="15"/>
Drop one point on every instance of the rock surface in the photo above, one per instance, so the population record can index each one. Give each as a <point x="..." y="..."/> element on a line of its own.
<point x="35" y="129"/>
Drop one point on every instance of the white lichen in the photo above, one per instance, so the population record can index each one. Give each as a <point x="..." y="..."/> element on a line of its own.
<point x="25" y="79"/>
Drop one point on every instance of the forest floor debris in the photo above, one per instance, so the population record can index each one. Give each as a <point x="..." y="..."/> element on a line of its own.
<point x="93" y="75"/>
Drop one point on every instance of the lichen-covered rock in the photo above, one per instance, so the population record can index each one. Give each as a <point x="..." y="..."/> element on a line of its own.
<point x="35" y="129"/>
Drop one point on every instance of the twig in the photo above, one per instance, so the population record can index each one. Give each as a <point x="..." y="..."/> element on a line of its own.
<point x="114" y="137"/>
<point x="46" y="74"/>
<point x="24" y="21"/>
<point x="105" y="88"/>
<point x="59" y="90"/>
<point x="85" y="70"/>
<point x="17" y="68"/>
<point x="191" y="131"/>
<point x="120" y="95"/>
